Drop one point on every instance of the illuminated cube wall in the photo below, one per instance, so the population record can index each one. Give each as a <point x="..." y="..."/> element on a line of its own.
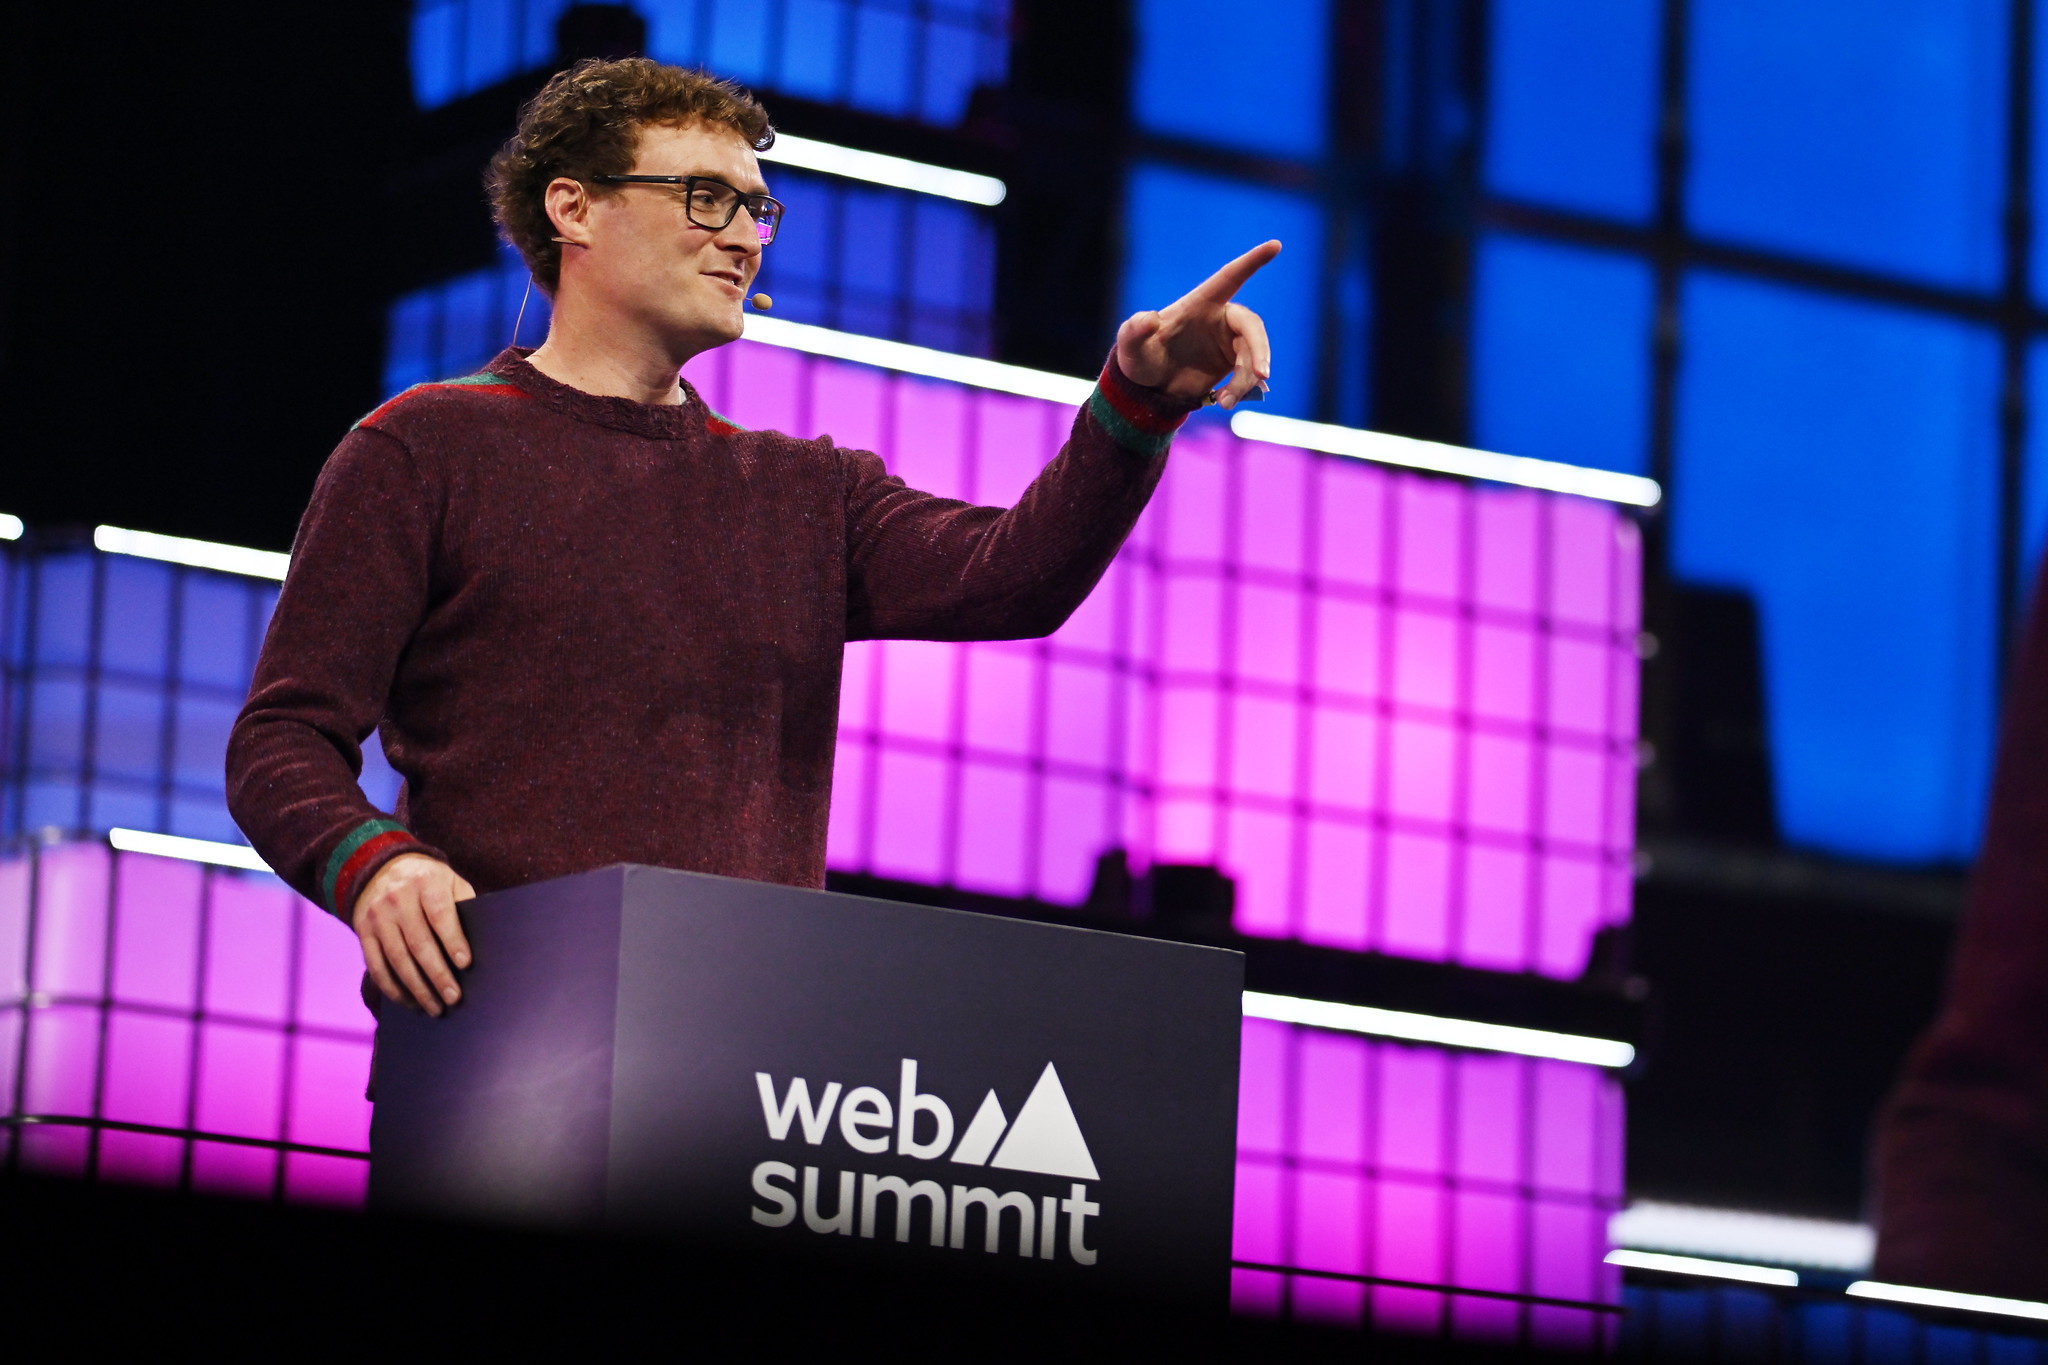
<point x="119" y="681"/>
<point x="1415" y="1166"/>
<point x="171" y="1024"/>
<point x="1399" y="711"/>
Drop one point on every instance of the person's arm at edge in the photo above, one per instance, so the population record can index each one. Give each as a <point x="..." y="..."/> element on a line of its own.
<point x="356" y="591"/>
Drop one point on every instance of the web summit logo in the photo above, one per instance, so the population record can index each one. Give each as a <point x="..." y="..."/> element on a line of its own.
<point x="1044" y="1140"/>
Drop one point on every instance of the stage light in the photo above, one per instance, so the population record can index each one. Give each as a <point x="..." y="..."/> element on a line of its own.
<point x="1376" y="446"/>
<point x="897" y="355"/>
<point x="10" y="527"/>
<point x="1944" y="1298"/>
<point x="190" y="850"/>
<point x="1693" y="1265"/>
<point x="1743" y="1235"/>
<point x="197" y="554"/>
<point x="1438" y="458"/>
<point x="893" y="171"/>
<point x="1429" y="1028"/>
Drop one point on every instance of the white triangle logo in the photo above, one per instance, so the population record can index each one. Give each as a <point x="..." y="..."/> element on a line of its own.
<point x="980" y="1138"/>
<point x="1045" y="1138"/>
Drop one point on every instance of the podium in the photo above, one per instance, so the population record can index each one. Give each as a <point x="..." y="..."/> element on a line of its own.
<point x="793" y="1072"/>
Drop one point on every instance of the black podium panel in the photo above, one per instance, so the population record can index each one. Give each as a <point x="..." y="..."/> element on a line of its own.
<point x="801" y="1071"/>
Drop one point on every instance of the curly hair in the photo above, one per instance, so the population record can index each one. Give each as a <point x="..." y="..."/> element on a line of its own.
<point x="586" y="122"/>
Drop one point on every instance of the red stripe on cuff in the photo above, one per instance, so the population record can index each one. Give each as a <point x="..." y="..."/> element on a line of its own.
<point x="1139" y="406"/>
<point x="345" y="888"/>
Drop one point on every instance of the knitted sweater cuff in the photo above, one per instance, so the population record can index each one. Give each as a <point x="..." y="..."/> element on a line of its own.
<point x="1142" y="420"/>
<point x="358" y="857"/>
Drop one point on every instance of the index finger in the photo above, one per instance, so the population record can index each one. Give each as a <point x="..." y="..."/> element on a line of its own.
<point x="1219" y="287"/>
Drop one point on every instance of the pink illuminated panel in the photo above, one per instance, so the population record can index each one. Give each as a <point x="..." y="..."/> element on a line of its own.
<point x="170" y="1024"/>
<point x="1400" y="711"/>
<point x="1471" y="1171"/>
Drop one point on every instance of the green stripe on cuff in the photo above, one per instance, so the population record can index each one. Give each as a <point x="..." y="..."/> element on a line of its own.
<point x="343" y="851"/>
<point x="1122" y="431"/>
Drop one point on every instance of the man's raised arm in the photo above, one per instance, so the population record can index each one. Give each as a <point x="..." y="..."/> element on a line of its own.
<point x="922" y="567"/>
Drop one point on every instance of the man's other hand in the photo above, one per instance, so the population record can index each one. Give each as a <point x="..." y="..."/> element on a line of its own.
<point x="406" y="920"/>
<point x="1187" y="346"/>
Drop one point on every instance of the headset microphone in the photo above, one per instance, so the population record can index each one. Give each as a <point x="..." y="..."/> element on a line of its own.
<point x="762" y="303"/>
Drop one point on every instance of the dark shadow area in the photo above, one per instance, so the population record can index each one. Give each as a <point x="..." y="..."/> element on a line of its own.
<point x="94" y="1268"/>
<point x="1193" y="904"/>
<point x="194" y="313"/>
<point x="1788" y="985"/>
<point x="1718" y="747"/>
<point x="1783" y="1017"/>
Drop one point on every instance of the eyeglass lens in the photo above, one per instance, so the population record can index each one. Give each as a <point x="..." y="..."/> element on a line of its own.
<point x="714" y="206"/>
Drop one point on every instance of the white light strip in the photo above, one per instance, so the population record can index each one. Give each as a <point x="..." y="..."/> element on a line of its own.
<point x="10" y="527"/>
<point x="1693" y="1265"/>
<point x="896" y="355"/>
<point x="198" y="554"/>
<point x="1943" y="1298"/>
<point x="894" y="171"/>
<point x="1739" y="1235"/>
<point x="1428" y="1028"/>
<point x="1439" y="458"/>
<point x="191" y="850"/>
<point x="1250" y="426"/>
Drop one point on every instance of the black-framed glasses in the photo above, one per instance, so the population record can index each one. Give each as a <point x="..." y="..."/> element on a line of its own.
<point x="713" y="204"/>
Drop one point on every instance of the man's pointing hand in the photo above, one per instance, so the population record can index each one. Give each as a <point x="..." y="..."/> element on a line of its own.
<point x="1187" y="346"/>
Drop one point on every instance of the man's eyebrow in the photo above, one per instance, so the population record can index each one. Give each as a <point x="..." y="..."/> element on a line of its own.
<point x="760" y="186"/>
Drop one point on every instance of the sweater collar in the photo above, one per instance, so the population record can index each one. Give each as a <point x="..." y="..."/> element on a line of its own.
<point x="659" y="421"/>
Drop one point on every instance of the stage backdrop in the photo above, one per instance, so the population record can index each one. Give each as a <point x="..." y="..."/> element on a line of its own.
<point x="1398" y="711"/>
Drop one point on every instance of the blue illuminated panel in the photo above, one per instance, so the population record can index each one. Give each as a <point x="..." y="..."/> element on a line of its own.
<point x="1839" y="460"/>
<point x="860" y="258"/>
<point x="1869" y="132"/>
<point x="1209" y="72"/>
<point x="1177" y="234"/>
<point x="1561" y="353"/>
<point x="453" y="328"/>
<point x="122" y="679"/>
<point x="1572" y="96"/>
<point x="883" y="263"/>
<point x="2034" y="475"/>
<point x="896" y="57"/>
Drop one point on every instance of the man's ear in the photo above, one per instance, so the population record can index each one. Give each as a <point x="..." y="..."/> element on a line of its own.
<point x="568" y="206"/>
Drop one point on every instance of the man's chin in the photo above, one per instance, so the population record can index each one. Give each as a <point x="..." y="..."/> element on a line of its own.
<point x="713" y="327"/>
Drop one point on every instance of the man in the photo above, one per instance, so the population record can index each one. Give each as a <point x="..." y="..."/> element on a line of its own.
<point x="598" y="622"/>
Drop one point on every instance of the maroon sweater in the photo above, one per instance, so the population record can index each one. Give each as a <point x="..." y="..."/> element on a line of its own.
<point x="598" y="631"/>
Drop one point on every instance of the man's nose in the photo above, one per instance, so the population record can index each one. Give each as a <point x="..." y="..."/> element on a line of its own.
<point x="741" y="235"/>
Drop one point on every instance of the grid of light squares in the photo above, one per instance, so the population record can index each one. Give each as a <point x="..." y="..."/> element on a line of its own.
<point x="1399" y="711"/>
<point x="165" y="1023"/>
<point x="1389" y="1162"/>
<point x="169" y="1024"/>
<point x="919" y="59"/>
<point x="119" y="681"/>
